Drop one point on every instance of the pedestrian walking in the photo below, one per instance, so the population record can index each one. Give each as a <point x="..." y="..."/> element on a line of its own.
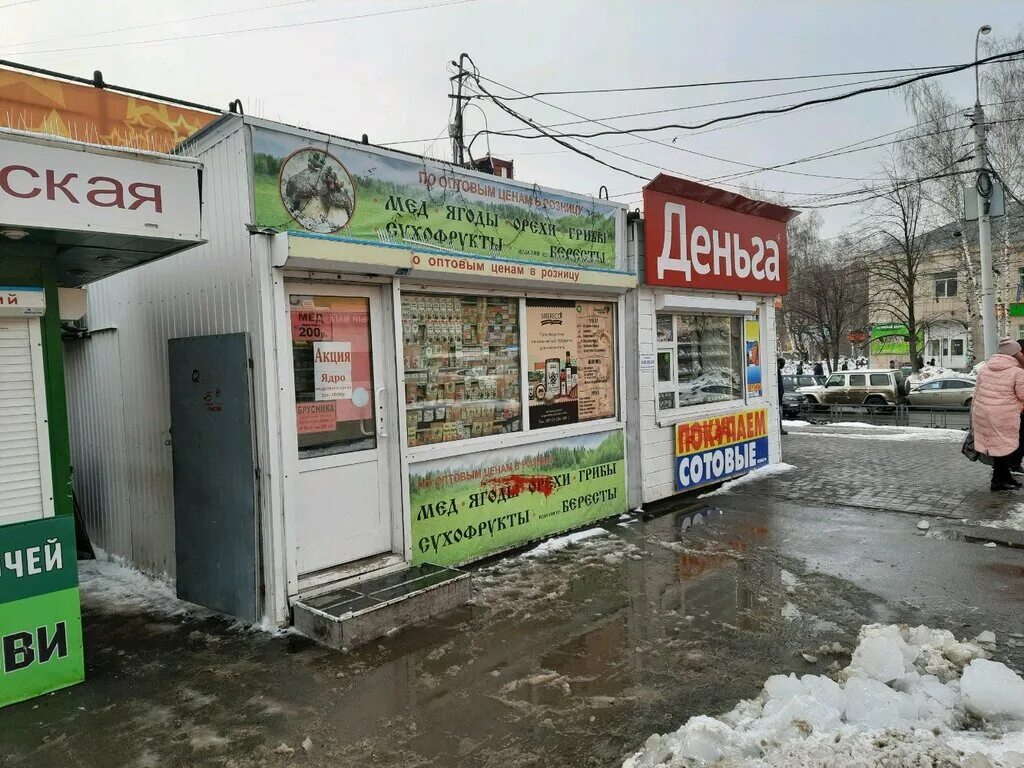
<point x="996" y="412"/>
<point x="800" y="368"/>
<point x="819" y="370"/>
<point x="781" y="364"/>
<point x="1015" y="462"/>
<point x="844" y="366"/>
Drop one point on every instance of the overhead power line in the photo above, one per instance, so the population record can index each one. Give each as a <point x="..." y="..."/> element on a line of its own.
<point x="266" y="28"/>
<point x="158" y="23"/>
<point x="896" y="188"/>
<point x="536" y="127"/>
<point x="672" y="146"/>
<point x="683" y="108"/>
<point x="715" y="83"/>
<point x="775" y="110"/>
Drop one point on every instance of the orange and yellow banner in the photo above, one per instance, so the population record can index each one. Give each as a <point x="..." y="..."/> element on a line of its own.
<point x="96" y="115"/>
<point x="720" y="431"/>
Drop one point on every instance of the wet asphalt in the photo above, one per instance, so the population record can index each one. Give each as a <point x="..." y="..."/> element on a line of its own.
<point x="572" y="659"/>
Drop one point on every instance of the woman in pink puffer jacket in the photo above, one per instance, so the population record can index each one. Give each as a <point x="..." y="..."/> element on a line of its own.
<point x="995" y="413"/>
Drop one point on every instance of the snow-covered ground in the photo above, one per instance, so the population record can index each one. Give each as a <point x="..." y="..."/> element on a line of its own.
<point x="1014" y="520"/>
<point x="760" y="473"/>
<point x="910" y="697"/>
<point x="859" y="430"/>
<point x="108" y="584"/>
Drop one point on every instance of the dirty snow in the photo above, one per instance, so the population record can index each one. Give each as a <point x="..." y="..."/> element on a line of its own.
<point x="561" y="542"/>
<point x="1014" y="520"/>
<point x="787" y="424"/>
<point x="760" y="473"/>
<point x="910" y="697"/>
<point x="110" y="585"/>
<point x="897" y="434"/>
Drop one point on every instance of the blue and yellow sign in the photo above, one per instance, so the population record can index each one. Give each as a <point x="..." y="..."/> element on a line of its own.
<point x="720" y="447"/>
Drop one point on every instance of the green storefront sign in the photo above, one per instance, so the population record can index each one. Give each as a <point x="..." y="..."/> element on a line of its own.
<point x="467" y="507"/>
<point x="40" y="617"/>
<point x="353" y="193"/>
<point x="893" y="339"/>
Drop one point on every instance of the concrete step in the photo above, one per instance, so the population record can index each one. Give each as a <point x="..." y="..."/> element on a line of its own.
<point x="361" y="612"/>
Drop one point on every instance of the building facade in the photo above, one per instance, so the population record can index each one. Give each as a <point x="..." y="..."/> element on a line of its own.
<point x="949" y="325"/>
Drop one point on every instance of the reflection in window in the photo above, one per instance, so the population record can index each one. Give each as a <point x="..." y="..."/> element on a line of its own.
<point x="333" y="369"/>
<point x="706" y="354"/>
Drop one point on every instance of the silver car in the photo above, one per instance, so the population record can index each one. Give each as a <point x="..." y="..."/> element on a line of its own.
<point x="944" y="393"/>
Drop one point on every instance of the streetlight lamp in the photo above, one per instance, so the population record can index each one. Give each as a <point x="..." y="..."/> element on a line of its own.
<point x="984" y="29"/>
<point x="990" y="335"/>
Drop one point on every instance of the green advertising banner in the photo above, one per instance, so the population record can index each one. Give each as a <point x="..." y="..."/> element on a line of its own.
<point x="349" y="192"/>
<point x="466" y="507"/>
<point x="893" y="339"/>
<point x="40" y="617"/>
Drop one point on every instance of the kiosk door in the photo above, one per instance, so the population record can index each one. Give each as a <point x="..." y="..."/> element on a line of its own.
<point x="342" y="505"/>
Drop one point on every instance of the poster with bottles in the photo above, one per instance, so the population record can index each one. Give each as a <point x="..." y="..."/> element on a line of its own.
<point x="571" y="361"/>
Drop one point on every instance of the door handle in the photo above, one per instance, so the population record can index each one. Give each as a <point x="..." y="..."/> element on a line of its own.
<point x="381" y="411"/>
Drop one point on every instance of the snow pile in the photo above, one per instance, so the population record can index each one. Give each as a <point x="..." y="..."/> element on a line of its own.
<point x="545" y="548"/>
<point x="109" y="584"/>
<point x="935" y="373"/>
<point x="910" y="697"/>
<point x="769" y="470"/>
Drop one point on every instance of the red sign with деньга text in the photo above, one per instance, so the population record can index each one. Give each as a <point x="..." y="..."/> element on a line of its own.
<point x="708" y="239"/>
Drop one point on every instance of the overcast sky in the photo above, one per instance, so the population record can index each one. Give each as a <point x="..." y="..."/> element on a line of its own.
<point x="386" y="75"/>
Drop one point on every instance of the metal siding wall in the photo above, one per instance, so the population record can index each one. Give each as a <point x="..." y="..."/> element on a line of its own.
<point x="96" y="416"/>
<point x="208" y="289"/>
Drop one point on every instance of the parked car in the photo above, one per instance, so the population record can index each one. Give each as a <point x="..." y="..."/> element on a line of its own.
<point x="943" y="393"/>
<point x="860" y="387"/>
<point x="793" y="401"/>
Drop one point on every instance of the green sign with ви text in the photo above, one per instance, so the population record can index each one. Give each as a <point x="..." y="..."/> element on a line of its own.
<point x="40" y="617"/>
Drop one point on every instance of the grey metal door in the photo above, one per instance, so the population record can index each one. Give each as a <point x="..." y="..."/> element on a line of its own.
<point x="215" y="527"/>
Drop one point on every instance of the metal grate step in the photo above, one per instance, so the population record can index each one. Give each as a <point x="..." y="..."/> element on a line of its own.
<point x="359" y="613"/>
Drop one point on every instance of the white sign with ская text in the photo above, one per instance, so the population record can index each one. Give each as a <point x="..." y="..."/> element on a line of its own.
<point x="62" y="185"/>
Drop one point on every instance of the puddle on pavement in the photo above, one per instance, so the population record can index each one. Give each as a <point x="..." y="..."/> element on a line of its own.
<point x="569" y="659"/>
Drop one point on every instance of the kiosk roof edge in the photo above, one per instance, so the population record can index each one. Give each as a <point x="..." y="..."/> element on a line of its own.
<point x="692" y="190"/>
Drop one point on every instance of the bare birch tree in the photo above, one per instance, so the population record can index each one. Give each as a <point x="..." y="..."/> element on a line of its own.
<point x="897" y="230"/>
<point x="941" y="144"/>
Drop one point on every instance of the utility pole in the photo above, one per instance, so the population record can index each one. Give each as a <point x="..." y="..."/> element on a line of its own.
<point x="983" y="186"/>
<point x="455" y="130"/>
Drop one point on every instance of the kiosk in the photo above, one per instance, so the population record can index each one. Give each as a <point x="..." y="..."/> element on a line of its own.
<point x="69" y="213"/>
<point x="702" y="405"/>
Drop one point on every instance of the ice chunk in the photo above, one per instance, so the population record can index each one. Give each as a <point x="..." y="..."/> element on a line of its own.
<point x="705" y="738"/>
<point x="923" y="525"/>
<point x="798" y="718"/>
<point x="825" y="690"/>
<point x="964" y="653"/>
<point x="936" y="702"/>
<point x="993" y="691"/>
<point x="782" y="687"/>
<point x="988" y="637"/>
<point x="875" y="705"/>
<point x="880" y="657"/>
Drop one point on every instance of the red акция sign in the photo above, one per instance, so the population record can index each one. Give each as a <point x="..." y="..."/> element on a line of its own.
<point x="709" y="239"/>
